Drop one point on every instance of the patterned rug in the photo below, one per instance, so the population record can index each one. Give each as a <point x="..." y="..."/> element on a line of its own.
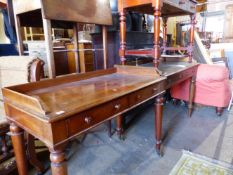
<point x="194" y="164"/>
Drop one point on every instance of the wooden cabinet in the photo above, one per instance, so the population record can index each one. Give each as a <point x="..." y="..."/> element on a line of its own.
<point x="86" y="58"/>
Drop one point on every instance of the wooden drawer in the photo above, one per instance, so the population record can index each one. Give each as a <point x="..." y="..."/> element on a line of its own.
<point x="143" y="94"/>
<point x="96" y="115"/>
<point x="180" y="76"/>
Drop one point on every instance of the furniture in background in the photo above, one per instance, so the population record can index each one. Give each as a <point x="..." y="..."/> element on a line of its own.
<point x="212" y="87"/>
<point x="16" y="70"/>
<point x="175" y="74"/>
<point x="86" y="57"/>
<point x="135" y="40"/>
<point x="38" y="49"/>
<point x="28" y="13"/>
<point x="158" y="8"/>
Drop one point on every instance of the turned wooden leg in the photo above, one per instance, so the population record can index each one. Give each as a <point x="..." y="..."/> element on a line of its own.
<point x="32" y="154"/>
<point x="191" y="95"/>
<point x="219" y="111"/>
<point x="122" y="36"/>
<point x="159" y="101"/>
<point x="164" y="36"/>
<point x="119" y="128"/>
<point x="17" y="136"/>
<point x="58" y="162"/>
<point x="157" y="15"/>
<point x="191" y="42"/>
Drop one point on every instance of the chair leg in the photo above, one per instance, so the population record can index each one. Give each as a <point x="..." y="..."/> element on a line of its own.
<point x="219" y="111"/>
<point x="32" y="154"/>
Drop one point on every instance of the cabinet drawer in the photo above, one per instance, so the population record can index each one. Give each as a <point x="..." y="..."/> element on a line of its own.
<point x="95" y="115"/>
<point x="144" y="94"/>
<point x="180" y="76"/>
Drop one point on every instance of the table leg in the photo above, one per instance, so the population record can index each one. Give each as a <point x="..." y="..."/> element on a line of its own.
<point x="119" y="128"/>
<point x="158" y="122"/>
<point x="17" y="136"/>
<point x="191" y="95"/>
<point x="58" y="162"/>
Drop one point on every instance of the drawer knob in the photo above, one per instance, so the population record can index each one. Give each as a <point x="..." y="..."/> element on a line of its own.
<point x="88" y="120"/>
<point x="155" y="89"/>
<point x="139" y="96"/>
<point x="117" y="106"/>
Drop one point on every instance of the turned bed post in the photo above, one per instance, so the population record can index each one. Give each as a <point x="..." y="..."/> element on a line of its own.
<point x="165" y="19"/>
<point x="157" y="15"/>
<point x="191" y="44"/>
<point x="122" y="32"/>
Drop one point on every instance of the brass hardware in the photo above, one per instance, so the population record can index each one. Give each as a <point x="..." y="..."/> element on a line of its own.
<point x="88" y="120"/>
<point x="117" y="106"/>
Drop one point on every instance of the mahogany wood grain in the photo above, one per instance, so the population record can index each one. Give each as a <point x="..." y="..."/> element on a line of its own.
<point x="76" y="47"/>
<point x="159" y="102"/>
<point x="17" y="137"/>
<point x="191" y="44"/>
<point x="158" y="8"/>
<point x="157" y="15"/>
<point x="77" y="11"/>
<point x="105" y="45"/>
<point x="111" y="92"/>
<point x="165" y="19"/>
<point x="122" y="36"/>
<point x="58" y="162"/>
<point x="191" y="95"/>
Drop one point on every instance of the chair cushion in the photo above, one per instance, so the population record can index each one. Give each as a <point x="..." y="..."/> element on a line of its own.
<point x="212" y="86"/>
<point x="210" y="73"/>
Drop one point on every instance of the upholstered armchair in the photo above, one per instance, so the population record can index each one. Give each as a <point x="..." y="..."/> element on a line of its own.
<point x="16" y="70"/>
<point x="212" y="87"/>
